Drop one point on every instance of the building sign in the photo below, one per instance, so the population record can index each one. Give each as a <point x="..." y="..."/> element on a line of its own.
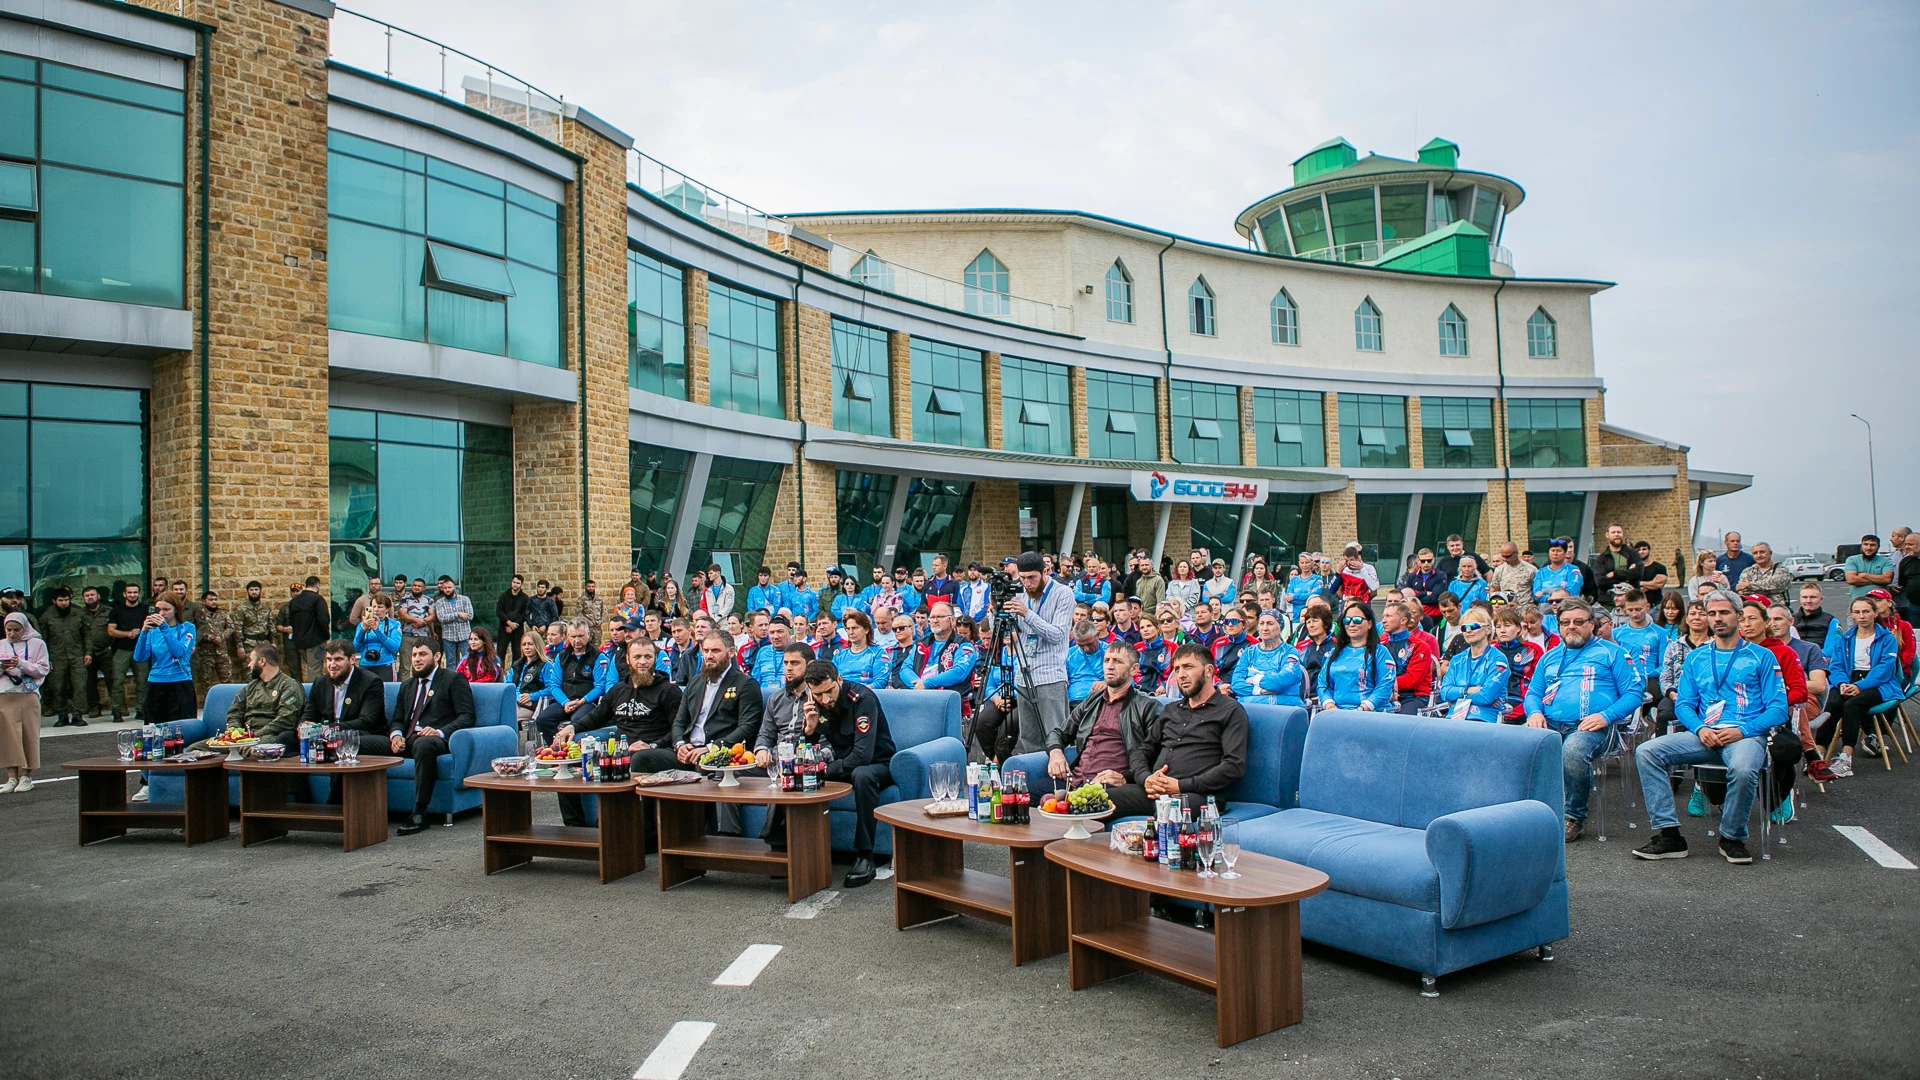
<point x="1155" y="486"/>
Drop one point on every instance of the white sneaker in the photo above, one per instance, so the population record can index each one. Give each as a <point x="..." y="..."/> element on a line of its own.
<point x="1842" y="764"/>
<point x="9" y="785"/>
<point x="141" y="795"/>
<point x="26" y="785"/>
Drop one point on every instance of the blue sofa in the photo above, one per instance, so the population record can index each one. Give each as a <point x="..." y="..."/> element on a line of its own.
<point x="1274" y="738"/>
<point x="495" y="733"/>
<point x="925" y="726"/>
<point x="1442" y="839"/>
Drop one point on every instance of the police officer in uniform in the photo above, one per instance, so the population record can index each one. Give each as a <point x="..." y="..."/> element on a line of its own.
<point x="849" y="719"/>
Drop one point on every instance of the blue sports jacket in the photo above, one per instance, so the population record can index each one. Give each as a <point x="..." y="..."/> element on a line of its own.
<point x="1745" y="679"/>
<point x="169" y="649"/>
<point x="1349" y="677"/>
<point x="1484" y="680"/>
<point x="1569" y="685"/>
<point x="1269" y="676"/>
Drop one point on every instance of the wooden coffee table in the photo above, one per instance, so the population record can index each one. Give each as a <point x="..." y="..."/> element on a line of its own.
<point x="931" y="882"/>
<point x="360" y="817"/>
<point x="1251" y="961"/>
<point x="106" y="813"/>
<point x="687" y="852"/>
<point x="510" y="838"/>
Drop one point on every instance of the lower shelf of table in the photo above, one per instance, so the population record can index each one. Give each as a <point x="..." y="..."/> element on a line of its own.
<point x="156" y="815"/>
<point x="969" y="892"/>
<point x="1179" y="952"/>
<point x="558" y="841"/>
<point x="738" y="854"/>
<point x="300" y="815"/>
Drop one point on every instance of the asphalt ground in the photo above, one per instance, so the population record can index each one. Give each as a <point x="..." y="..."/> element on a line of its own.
<point x="139" y="957"/>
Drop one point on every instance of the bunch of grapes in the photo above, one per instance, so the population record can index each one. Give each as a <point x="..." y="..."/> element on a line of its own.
<point x="1088" y="799"/>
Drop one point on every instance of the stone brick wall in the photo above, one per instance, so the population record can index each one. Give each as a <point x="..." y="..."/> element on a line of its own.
<point x="698" y="388"/>
<point x="1163" y="417"/>
<point x="993" y="522"/>
<point x="267" y="316"/>
<point x="1077" y="409"/>
<point x="1662" y="518"/>
<point x="1334" y="521"/>
<point x="1330" y="419"/>
<point x="546" y="488"/>
<point x="1503" y="519"/>
<point x="900" y="372"/>
<point x="1416" y="440"/>
<point x="1249" y="447"/>
<point x="996" y="413"/>
<point x="805" y="524"/>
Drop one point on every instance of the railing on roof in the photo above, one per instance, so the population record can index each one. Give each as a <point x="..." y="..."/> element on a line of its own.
<point x="876" y="273"/>
<point x="1500" y="255"/>
<point x="703" y="202"/>
<point x="367" y="43"/>
<point x="1375" y="250"/>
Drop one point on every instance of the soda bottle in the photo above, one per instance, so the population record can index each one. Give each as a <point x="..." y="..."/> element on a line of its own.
<point x="1150" y="842"/>
<point x="996" y="809"/>
<point x="1026" y="801"/>
<point x="1189" y="837"/>
<point x="809" y="779"/>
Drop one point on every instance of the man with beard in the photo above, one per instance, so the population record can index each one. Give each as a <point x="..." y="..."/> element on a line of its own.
<point x="848" y="719"/>
<point x="433" y="703"/>
<point x="782" y="722"/>
<point x="640" y="706"/>
<point x="269" y="704"/>
<point x="721" y="707"/>
<point x="350" y="696"/>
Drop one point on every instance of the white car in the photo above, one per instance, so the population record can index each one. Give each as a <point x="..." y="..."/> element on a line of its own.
<point x="1805" y="567"/>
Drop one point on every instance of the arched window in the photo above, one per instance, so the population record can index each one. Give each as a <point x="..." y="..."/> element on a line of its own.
<point x="986" y="281"/>
<point x="1286" y="319"/>
<point x="1543" y="335"/>
<point x="1366" y="327"/>
<point x="873" y="272"/>
<point x="1200" y="308"/>
<point x="1453" y="332"/>
<point x="1119" y="293"/>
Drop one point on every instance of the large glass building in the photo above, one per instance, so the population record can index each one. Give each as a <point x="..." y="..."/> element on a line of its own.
<point x="447" y="324"/>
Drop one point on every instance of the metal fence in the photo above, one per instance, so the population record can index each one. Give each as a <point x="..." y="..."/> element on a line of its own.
<point x="369" y="44"/>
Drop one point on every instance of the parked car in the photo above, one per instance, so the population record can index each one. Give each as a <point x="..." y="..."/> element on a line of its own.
<point x="1837" y="569"/>
<point x="1805" y="567"/>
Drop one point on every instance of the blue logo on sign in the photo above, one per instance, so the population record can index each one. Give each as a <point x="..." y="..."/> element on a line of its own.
<point x="1156" y="485"/>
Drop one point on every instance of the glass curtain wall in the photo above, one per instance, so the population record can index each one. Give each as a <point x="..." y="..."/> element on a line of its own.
<point x="92" y="184"/>
<point x="426" y="250"/>
<point x="1382" y="524"/>
<point x="1039" y="529"/>
<point x="1545" y="433"/>
<point x="743" y="352"/>
<point x="1206" y="423"/>
<point x="419" y="496"/>
<point x="1108" y="513"/>
<point x="1457" y="433"/>
<point x="1373" y="431"/>
<point x="1446" y="515"/>
<point x="1289" y="428"/>
<point x="1278" y="532"/>
<point x="656" y="480"/>
<point x="1122" y="421"/>
<point x="73" y="494"/>
<point x="934" y="522"/>
<point x="862" y="380"/>
<point x="1551" y="514"/>
<point x="862" y="500"/>
<point x="656" y="326"/>
<point x="735" y="516"/>
<point x="1033" y="407"/>
<point x="949" y="395"/>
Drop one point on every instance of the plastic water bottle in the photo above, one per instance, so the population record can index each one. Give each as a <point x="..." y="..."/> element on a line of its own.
<point x="973" y="792"/>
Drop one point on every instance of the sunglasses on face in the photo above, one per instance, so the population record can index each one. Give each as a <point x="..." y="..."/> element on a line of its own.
<point x="1354" y="620"/>
<point x="1472" y="626"/>
<point x="1168" y="621"/>
<point x="1234" y="622"/>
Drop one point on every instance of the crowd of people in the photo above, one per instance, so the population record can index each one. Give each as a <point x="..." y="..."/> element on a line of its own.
<point x="1730" y="664"/>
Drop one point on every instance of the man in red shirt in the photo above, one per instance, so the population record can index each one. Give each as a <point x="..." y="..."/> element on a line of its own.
<point x="1413" y="651"/>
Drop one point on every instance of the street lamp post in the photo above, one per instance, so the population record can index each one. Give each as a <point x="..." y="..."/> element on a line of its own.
<point x="1873" y="487"/>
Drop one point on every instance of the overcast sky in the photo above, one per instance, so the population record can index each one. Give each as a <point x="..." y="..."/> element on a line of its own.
<point x="1745" y="172"/>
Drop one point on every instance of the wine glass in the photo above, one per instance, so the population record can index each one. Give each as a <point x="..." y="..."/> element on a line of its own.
<point x="349" y="748"/>
<point x="1205" y="843"/>
<point x="1229" y="841"/>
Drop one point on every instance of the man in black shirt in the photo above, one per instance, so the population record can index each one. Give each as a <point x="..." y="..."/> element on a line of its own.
<point x="848" y="717"/>
<point x="1812" y="620"/>
<point x="1200" y="747"/>
<point x="1653" y="575"/>
<point x="1617" y="565"/>
<point x="311" y="620"/>
<point x="511" y="610"/>
<point x="640" y="706"/>
<point x="123" y="626"/>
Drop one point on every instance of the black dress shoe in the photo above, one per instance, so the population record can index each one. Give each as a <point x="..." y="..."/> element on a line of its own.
<point x="78" y="721"/>
<point x="416" y="823"/>
<point x="861" y="874"/>
<point x="60" y="721"/>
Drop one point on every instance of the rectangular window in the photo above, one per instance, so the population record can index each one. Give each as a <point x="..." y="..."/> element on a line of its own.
<point x="1121" y="417"/>
<point x="1278" y="532"/>
<point x="656" y="326"/>
<point x="1107" y="513"/>
<point x="1546" y="433"/>
<point x="73" y="499"/>
<point x="862" y="502"/>
<point x="1403" y="211"/>
<point x="1444" y="515"/>
<point x="934" y="522"/>
<point x="425" y="250"/>
<point x="949" y="395"/>
<point x="1206" y="423"/>
<point x="1307" y="222"/>
<point x="862" y="380"/>
<point x="743" y="352"/>
<point x="1457" y="433"/>
<point x="1551" y="514"/>
<point x="111" y="238"/>
<point x="1373" y="431"/>
<point x="656" y="478"/>
<point x="1353" y="222"/>
<point x="1289" y="428"/>
<point x="1033" y="401"/>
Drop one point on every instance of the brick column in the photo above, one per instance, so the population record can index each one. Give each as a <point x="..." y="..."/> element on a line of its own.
<point x="1077" y="410"/>
<point x="1416" y="441"/>
<point x="995" y="402"/>
<point x="1502" y="520"/>
<point x="266" y="349"/>
<point x="806" y="513"/>
<point x="1590" y="413"/>
<point x="993" y="523"/>
<point x="699" y="387"/>
<point x="1330" y="419"/>
<point x="1163" y="417"/>
<point x="1502" y="436"/>
<point x="900" y="373"/>
<point x="1334" y="521"/>
<point x="1249" y="446"/>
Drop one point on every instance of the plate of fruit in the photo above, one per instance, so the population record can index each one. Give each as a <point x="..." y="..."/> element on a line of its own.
<point x="726" y="760"/>
<point x="1088" y="802"/>
<point x="236" y="741"/>
<point x="550" y="759"/>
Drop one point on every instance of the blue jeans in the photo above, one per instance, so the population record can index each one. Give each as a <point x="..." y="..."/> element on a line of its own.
<point x="1743" y="760"/>
<point x="1577" y="751"/>
<point x="454" y="650"/>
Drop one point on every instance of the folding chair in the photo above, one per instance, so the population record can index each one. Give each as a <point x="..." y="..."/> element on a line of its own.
<point x="1705" y="773"/>
<point x="1622" y="741"/>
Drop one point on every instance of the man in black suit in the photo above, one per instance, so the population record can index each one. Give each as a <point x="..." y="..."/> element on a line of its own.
<point x="346" y="695"/>
<point x="433" y="704"/>
<point x="721" y="707"/>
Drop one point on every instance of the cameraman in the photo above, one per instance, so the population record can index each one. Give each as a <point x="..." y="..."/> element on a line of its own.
<point x="1042" y="614"/>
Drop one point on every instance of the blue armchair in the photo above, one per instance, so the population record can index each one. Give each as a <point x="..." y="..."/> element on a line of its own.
<point x="495" y="733"/>
<point x="1442" y="839"/>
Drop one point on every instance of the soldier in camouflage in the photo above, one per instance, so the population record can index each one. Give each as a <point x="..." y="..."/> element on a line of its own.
<point x="64" y="626"/>
<point x="214" y="635"/>
<point x="99" y="657"/>
<point x="254" y="620"/>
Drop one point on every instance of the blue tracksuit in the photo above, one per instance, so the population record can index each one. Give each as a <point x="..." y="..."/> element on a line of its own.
<point x="1349" y="677"/>
<point x="1484" y="680"/>
<point x="1570" y="685"/>
<point x="944" y="665"/>
<point x="1089" y="590"/>
<point x="868" y="667"/>
<point x="169" y="649"/>
<point x="1746" y="678"/>
<point x="800" y="602"/>
<point x="769" y="668"/>
<point x="1883" y="675"/>
<point x="1645" y="646"/>
<point x="1547" y="578"/>
<point x="1468" y="591"/>
<point x="767" y="598"/>
<point x="1269" y="676"/>
<point x="606" y="672"/>
<point x="1300" y="589"/>
<point x="1084" y="669"/>
<point x="379" y="645"/>
<point x="845" y="603"/>
<point x="910" y="599"/>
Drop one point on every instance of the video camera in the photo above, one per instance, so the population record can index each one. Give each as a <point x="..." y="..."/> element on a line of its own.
<point x="1000" y="588"/>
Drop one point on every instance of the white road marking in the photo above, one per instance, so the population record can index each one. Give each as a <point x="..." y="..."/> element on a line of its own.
<point x="1876" y="848"/>
<point x="885" y="873"/>
<point x="37" y="781"/>
<point x="748" y="967"/>
<point x="675" y="1052"/>
<point x="813" y="905"/>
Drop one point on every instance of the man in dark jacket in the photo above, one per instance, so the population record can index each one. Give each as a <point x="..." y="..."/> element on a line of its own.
<point x="65" y="628"/>
<point x="1617" y="565"/>
<point x="433" y="704"/>
<point x="721" y="706"/>
<point x="345" y="694"/>
<point x="1105" y="729"/>
<point x="311" y="622"/>
<point x="848" y="718"/>
<point x="511" y="610"/>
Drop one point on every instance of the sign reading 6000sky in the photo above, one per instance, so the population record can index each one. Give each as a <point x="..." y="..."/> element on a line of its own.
<point x="1156" y="486"/>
